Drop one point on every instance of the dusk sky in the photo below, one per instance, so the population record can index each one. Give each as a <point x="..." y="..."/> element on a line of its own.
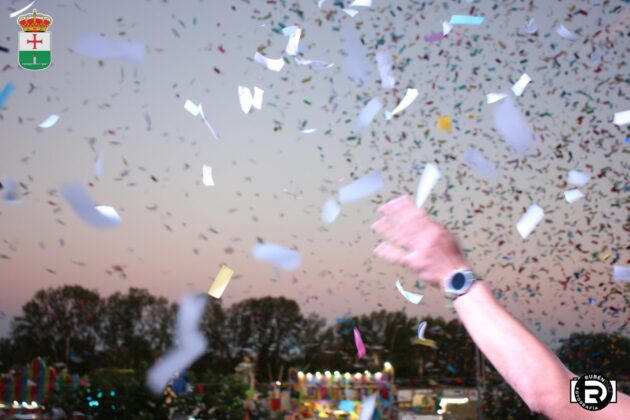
<point x="271" y="179"/>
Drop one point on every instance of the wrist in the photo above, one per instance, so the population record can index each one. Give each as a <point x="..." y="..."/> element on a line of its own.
<point x="458" y="282"/>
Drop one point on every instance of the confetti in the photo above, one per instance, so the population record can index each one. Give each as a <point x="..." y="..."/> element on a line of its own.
<point x="531" y="27"/>
<point x="100" y="217"/>
<point x="528" y="222"/>
<point x="17" y="12"/>
<point x="519" y="86"/>
<point x="445" y="124"/>
<point x="494" y="97"/>
<point x="566" y="34"/>
<point x="294" y="33"/>
<point x="466" y="20"/>
<point x="356" y="61"/>
<point x="257" y="100"/>
<point x="221" y="282"/>
<point x="513" y="127"/>
<point x="350" y="12"/>
<point x="621" y="118"/>
<point x="358" y="342"/>
<point x="11" y="191"/>
<point x="422" y="326"/>
<point x="428" y="180"/>
<point x="315" y="64"/>
<point x="93" y="45"/>
<point x="330" y="211"/>
<point x="5" y="94"/>
<point x="207" y="176"/>
<point x="384" y="63"/>
<point x="197" y="110"/>
<point x="573" y="195"/>
<point x="363" y="187"/>
<point x="245" y="98"/>
<point x="99" y="165"/>
<point x="414" y="298"/>
<point x="309" y="130"/>
<point x="621" y="273"/>
<point x="446" y="28"/>
<point x="367" y="407"/>
<point x="273" y="64"/>
<point x="578" y="178"/>
<point x="50" y="121"/>
<point x="191" y="344"/>
<point x="279" y="256"/>
<point x="368" y="113"/>
<point x="410" y="96"/>
<point x="361" y="3"/>
<point x="481" y="165"/>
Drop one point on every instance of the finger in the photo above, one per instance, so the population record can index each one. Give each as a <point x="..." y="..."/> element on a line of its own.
<point x="390" y="252"/>
<point x="396" y="204"/>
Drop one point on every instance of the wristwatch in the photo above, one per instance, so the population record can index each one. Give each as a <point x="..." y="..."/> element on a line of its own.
<point x="458" y="283"/>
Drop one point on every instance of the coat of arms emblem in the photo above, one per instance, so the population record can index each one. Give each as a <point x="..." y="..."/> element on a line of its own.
<point x="34" y="41"/>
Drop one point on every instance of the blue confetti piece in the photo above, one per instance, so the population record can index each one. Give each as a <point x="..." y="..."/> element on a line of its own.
<point x="6" y="92"/>
<point x="451" y="369"/>
<point x="591" y="301"/>
<point x="466" y="20"/>
<point x="627" y="139"/>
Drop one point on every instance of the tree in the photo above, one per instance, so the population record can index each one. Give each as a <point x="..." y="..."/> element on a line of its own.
<point x="135" y="328"/>
<point x="58" y="323"/>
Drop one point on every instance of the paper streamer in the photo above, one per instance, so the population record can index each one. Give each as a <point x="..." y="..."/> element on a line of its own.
<point x="367" y="407"/>
<point x="512" y="125"/>
<point x="446" y="28"/>
<point x="100" y="217"/>
<point x="99" y="165"/>
<point x="330" y="211"/>
<point x="361" y="3"/>
<point x="528" y="222"/>
<point x="197" y="110"/>
<point x="519" y="86"/>
<point x="294" y="33"/>
<point x="10" y="191"/>
<point x="531" y="27"/>
<point x="410" y="96"/>
<point x="93" y="45"/>
<point x="314" y="64"/>
<point x="17" y="12"/>
<point x="566" y="34"/>
<point x="190" y="344"/>
<point x="482" y="166"/>
<point x="277" y="255"/>
<point x="428" y="180"/>
<point x="358" y="341"/>
<point x="578" y="178"/>
<point x="361" y="188"/>
<point x="368" y="113"/>
<point x="384" y="63"/>
<point x="221" y="282"/>
<point x="622" y="118"/>
<point x="356" y="56"/>
<point x="273" y="64"/>
<point x="50" y="121"/>
<point x="494" y="97"/>
<point x="466" y="20"/>
<point x="621" y="273"/>
<point x="257" y="99"/>
<point x="414" y="298"/>
<point x="245" y="98"/>
<point x="350" y="12"/>
<point x="207" y="179"/>
<point x="573" y="195"/>
<point x="422" y="326"/>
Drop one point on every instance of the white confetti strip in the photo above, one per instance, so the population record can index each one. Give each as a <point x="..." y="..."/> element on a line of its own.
<point x="528" y="222"/>
<point x="622" y="118"/>
<point x="578" y="178"/>
<point x="245" y="98"/>
<point x="350" y="12"/>
<point x="273" y="64"/>
<point x="422" y="326"/>
<point x="428" y="180"/>
<point x="294" y="33"/>
<point x="481" y="165"/>
<point x="257" y="100"/>
<point x="414" y="298"/>
<point x="522" y="83"/>
<point x="368" y="113"/>
<point x="99" y="165"/>
<point x="494" y="97"/>
<point x="446" y="28"/>
<point x="10" y="191"/>
<point x="384" y="63"/>
<point x="330" y="211"/>
<point x="621" y="273"/>
<point x="356" y="55"/>
<point x="190" y="344"/>
<point x="17" y="12"/>
<point x="361" y="188"/>
<point x="566" y="34"/>
<point x="207" y="179"/>
<point x="573" y="195"/>
<point x="277" y="255"/>
<point x="410" y="96"/>
<point x="50" y="121"/>
<point x="531" y="27"/>
<point x="100" y="217"/>
<point x="361" y="3"/>
<point x="314" y="64"/>
<point x="512" y="125"/>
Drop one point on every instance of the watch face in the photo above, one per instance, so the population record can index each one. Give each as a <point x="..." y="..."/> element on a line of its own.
<point x="458" y="282"/>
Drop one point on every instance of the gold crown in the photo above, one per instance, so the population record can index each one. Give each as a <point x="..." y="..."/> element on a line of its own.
<point x="34" y="22"/>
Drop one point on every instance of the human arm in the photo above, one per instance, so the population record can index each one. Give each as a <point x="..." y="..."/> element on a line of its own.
<point x="532" y="370"/>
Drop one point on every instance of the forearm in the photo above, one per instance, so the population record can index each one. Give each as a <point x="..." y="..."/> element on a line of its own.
<point x="533" y="371"/>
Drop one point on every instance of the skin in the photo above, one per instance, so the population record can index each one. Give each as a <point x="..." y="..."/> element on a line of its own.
<point x="415" y="241"/>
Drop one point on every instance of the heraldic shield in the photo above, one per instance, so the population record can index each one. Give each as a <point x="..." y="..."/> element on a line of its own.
<point x="34" y="41"/>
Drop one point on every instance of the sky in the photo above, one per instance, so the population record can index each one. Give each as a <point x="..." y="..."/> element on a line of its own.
<point x="272" y="179"/>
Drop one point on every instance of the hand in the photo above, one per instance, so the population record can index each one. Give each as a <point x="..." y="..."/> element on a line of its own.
<point x="417" y="242"/>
